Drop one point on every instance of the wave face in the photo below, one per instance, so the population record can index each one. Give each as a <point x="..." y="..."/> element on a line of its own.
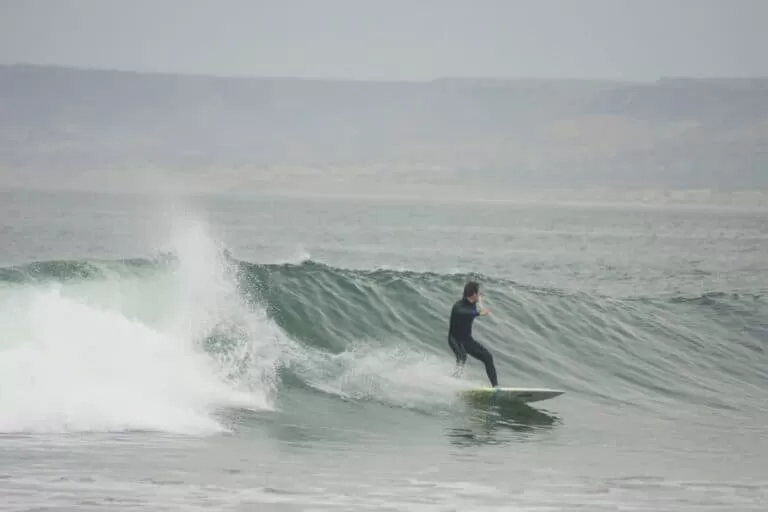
<point x="163" y="344"/>
<point x="386" y="331"/>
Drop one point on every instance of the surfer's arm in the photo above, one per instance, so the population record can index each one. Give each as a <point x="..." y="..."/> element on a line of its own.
<point x="472" y="311"/>
<point x="479" y="312"/>
<point x="465" y="310"/>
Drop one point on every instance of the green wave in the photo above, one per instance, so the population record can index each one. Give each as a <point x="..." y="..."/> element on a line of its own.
<point x="707" y="350"/>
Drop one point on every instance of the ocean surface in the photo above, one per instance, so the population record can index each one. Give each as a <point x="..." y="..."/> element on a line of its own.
<point x="289" y="354"/>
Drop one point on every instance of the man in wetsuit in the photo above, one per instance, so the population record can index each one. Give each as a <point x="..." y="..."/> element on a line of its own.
<point x="460" y="337"/>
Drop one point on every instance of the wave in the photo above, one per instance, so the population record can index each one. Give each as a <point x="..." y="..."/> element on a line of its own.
<point x="162" y="343"/>
<point x="89" y="345"/>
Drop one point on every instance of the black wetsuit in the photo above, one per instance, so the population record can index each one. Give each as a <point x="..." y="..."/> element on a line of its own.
<point x="460" y="338"/>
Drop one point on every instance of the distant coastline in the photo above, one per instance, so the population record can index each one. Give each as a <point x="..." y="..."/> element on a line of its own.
<point x="83" y="129"/>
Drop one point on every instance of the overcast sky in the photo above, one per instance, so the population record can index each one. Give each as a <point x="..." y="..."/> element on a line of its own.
<point x="394" y="39"/>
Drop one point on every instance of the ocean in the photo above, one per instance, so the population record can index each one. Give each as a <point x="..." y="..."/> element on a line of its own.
<point x="290" y="354"/>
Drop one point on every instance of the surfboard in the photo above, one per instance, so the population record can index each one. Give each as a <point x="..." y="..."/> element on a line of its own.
<point x="512" y="394"/>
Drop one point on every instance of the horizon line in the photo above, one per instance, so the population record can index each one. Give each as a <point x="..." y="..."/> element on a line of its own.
<point x="446" y="78"/>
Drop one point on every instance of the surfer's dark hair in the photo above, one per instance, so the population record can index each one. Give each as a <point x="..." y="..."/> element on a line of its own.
<point x="470" y="289"/>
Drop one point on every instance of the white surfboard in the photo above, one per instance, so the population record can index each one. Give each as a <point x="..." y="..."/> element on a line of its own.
<point x="512" y="394"/>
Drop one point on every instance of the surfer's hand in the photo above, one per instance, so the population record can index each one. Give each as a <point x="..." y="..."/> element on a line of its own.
<point x="484" y="312"/>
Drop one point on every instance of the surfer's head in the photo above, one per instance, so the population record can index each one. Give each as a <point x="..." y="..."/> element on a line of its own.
<point x="471" y="291"/>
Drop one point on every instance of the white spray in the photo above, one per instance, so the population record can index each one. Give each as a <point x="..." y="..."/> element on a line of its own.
<point x="127" y="354"/>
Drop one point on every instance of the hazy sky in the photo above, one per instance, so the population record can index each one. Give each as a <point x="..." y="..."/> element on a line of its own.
<point x="394" y="39"/>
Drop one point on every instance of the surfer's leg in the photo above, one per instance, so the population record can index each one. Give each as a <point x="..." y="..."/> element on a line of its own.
<point x="460" y="353"/>
<point x="478" y="351"/>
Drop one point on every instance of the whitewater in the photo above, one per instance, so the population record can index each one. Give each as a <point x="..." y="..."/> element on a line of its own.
<point x="124" y="352"/>
<point x="283" y="354"/>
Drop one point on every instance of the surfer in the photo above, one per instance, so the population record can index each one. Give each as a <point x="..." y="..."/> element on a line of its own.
<point x="460" y="337"/>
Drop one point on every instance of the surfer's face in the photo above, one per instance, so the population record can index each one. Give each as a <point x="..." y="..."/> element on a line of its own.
<point x="471" y="292"/>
